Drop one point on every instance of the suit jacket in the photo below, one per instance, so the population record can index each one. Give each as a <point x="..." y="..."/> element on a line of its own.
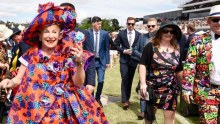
<point x="87" y="45"/>
<point x="197" y="68"/>
<point x="138" y="48"/>
<point x="121" y="44"/>
<point x="103" y="46"/>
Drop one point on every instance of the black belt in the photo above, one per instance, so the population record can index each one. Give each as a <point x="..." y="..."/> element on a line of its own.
<point x="215" y="86"/>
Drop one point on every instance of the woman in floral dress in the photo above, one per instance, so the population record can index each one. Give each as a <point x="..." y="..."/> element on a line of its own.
<point x="163" y="57"/>
<point x="51" y="75"/>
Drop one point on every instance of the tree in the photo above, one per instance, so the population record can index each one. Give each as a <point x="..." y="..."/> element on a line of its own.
<point x="107" y="25"/>
<point x="85" y="24"/>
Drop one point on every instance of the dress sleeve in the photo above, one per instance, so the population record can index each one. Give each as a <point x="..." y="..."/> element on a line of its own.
<point x="26" y="57"/>
<point x="146" y="54"/>
<point x="87" y="58"/>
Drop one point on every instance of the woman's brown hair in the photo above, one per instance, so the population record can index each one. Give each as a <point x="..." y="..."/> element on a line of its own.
<point x="156" y="40"/>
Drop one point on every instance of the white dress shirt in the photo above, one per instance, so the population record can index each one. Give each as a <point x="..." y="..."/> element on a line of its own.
<point x="215" y="73"/>
<point x="132" y="36"/>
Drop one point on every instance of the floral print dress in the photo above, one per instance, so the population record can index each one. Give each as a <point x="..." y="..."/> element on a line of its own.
<point x="47" y="93"/>
<point x="163" y="78"/>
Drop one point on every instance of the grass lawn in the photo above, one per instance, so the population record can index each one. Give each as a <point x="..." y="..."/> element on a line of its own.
<point x="114" y="111"/>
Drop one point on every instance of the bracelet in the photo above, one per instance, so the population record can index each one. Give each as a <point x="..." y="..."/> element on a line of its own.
<point x="13" y="83"/>
<point x="79" y="64"/>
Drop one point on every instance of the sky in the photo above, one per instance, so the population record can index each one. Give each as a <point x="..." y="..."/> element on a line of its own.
<point x="22" y="11"/>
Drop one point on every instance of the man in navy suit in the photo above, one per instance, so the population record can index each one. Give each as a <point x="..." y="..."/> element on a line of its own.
<point x="87" y="45"/>
<point x="124" y="43"/>
<point x="100" y="41"/>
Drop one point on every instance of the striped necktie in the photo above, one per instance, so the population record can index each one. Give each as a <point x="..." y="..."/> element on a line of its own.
<point x="130" y="38"/>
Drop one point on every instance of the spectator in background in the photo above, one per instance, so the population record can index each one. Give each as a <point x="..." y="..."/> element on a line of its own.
<point x="191" y="33"/>
<point x="100" y="40"/>
<point x="18" y="51"/>
<point x="113" y="51"/>
<point x="144" y="39"/>
<point x="201" y="74"/>
<point x="5" y="33"/>
<point x="125" y="42"/>
<point x="15" y="39"/>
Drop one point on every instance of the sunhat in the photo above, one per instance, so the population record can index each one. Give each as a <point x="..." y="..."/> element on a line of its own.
<point x="5" y="32"/>
<point x="49" y="15"/>
<point x="168" y="23"/>
<point x="214" y="11"/>
<point x="15" y="30"/>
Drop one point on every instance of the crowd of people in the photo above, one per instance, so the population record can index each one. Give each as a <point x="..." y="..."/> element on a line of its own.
<point x="48" y="71"/>
<point x="200" y="24"/>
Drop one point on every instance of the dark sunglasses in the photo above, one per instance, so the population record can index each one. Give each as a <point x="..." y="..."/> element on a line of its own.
<point x="131" y="24"/>
<point x="215" y="20"/>
<point x="165" y="31"/>
<point x="150" y="26"/>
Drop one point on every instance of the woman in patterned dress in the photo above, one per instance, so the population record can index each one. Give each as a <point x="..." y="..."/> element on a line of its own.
<point x="51" y="75"/>
<point x="165" y="68"/>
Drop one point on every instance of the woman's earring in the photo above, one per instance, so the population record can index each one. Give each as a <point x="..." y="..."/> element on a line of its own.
<point x="60" y="36"/>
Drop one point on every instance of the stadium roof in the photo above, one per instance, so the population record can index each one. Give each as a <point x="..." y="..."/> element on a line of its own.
<point x="164" y="11"/>
<point x="198" y="3"/>
<point x="196" y="10"/>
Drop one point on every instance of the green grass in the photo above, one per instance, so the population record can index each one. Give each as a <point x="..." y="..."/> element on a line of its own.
<point x="114" y="111"/>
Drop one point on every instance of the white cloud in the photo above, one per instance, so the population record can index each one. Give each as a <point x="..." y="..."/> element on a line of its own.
<point x="5" y="14"/>
<point x="25" y="10"/>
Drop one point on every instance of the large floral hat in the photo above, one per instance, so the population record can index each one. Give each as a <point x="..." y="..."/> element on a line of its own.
<point x="49" y="15"/>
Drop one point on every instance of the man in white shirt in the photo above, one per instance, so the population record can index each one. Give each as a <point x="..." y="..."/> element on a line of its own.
<point x="201" y="74"/>
<point x="124" y="43"/>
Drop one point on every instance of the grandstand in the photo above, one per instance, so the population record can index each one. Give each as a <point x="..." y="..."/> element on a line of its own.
<point x="175" y="14"/>
<point x="198" y="8"/>
<point x="193" y="9"/>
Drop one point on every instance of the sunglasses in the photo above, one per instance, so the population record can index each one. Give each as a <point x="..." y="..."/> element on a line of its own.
<point x="131" y="24"/>
<point x="165" y="31"/>
<point x="150" y="26"/>
<point x="215" y="20"/>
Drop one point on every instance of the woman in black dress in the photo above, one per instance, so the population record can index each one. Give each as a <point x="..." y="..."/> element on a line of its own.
<point x="163" y="59"/>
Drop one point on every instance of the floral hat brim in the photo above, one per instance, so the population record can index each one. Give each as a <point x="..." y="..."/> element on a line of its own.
<point x="49" y="15"/>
